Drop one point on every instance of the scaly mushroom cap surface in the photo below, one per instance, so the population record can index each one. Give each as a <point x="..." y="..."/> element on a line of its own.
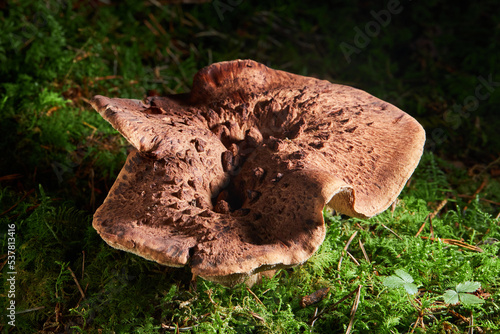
<point x="232" y="177"/>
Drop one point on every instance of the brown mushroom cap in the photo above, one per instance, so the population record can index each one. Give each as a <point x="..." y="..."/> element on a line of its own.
<point x="232" y="178"/>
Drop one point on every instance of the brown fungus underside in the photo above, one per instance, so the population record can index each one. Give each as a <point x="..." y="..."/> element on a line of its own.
<point x="232" y="178"/>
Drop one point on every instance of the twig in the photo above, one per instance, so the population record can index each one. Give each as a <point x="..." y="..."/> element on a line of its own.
<point x="345" y="250"/>
<point x="31" y="310"/>
<point x="256" y="316"/>
<point x="158" y="25"/>
<point x="10" y="177"/>
<point x="353" y="258"/>
<point x="175" y="328"/>
<point x="478" y="190"/>
<point x="83" y="263"/>
<point x="17" y="203"/>
<point x="431" y="227"/>
<point x="254" y="296"/>
<point x="421" y="228"/>
<point x="491" y="164"/>
<point x="459" y="316"/>
<point x="456" y="243"/>
<point x="364" y="251"/>
<point x="354" y="309"/>
<point x="415" y="326"/>
<point x="76" y="281"/>
<point x="391" y="231"/>
<point x="331" y="308"/>
<point x="439" y="208"/>
<point x="431" y="216"/>
<point x="314" y="317"/>
<point x="471" y="323"/>
<point x="481" y="199"/>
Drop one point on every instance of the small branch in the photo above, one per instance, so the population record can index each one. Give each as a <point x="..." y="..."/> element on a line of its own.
<point x="439" y="208"/>
<point x="431" y="216"/>
<point x="354" y="309"/>
<point x="77" y="283"/>
<point x="456" y="243"/>
<point x="179" y="329"/>
<point x="83" y="263"/>
<point x="345" y="250"/>
<point x="255" y="296"/>
<point x="481" y="199"/>
<point x="471" y="323"/>
<point x="431" y="227"/>
<point x="332" y="307"/>
<point x="391" y="231"/>
<point x="31" y="310"/>
<point x="364" y="251"/>
<point x="17" y="203"/>
<point x="353" y="258"/>
<point x="491" y="164"/>
<point x="314" y="317"/>
<point x="415" y="326"/>
<point x="478" y="190"/>
<point x="420" y="229"/>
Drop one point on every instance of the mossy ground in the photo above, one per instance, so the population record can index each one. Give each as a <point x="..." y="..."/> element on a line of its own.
<point x="59" y="159"/>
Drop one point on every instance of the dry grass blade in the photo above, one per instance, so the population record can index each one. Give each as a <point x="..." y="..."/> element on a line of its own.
<point x="255" y="296"/>
<point x="353" y="258"/>
<point x="332" y="307"/>
<point x="431" y="216"/>
<point x="478" y="190"/>
<point x="77" y="283"/>
<point x="471" y="323"/>
<point x="481" y="199"/>
<point x="364" y="251"/>
<point x="177" y="329"/>
<point x="391" y="231"/>
<point x="345" y="249"/>
<point x="30" y="310"/>
<point x="17" y="203"/>
<point x="439" y="208"/>
<point x="10" y="177"/>
<point x="456" y="243"/>
<point x="354" y="309"/>
<point x="256" y="316"/>
<point x="420" y="229"/>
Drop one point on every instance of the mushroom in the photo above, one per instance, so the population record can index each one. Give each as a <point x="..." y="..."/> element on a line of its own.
<point x="232" y="178"/>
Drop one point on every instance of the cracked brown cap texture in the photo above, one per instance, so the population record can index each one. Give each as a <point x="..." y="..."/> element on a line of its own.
<point x="232" y="177"/>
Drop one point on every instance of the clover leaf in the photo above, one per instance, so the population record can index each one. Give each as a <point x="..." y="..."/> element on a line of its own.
<point x="462" y="294"/>
<point x="401" y="279"/>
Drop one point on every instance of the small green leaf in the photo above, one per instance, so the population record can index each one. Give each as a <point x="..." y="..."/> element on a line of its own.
<point x="468" y="286"/>
<point x="450" y="297"/>
<point x="393" y="282"/>
<point x="404" y="275"/>
<point x="410" y="288"/>
<point x="403" y="279"/>
<point x="468" y="299"/>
